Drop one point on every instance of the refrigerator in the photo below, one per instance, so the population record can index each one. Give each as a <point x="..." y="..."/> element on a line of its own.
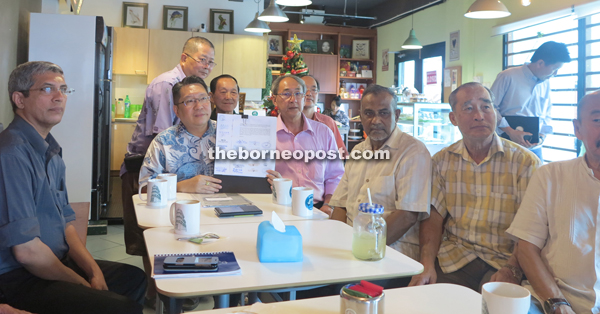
<point x="82" y="46"/>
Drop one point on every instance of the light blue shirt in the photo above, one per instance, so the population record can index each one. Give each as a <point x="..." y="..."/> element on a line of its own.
<point x="175" y="150"/>
<point x="518" y="92"/>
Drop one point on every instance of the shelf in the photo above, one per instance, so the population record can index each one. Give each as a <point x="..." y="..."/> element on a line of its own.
<point x="361" y="60"/>
<point x="276" y="56"/>
<point x="358" y="99"/>
<point x="355" y="78"/>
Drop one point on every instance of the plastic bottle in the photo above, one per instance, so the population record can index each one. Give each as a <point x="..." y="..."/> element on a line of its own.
<point x="113" y="110"/>
<point x="120" y="108"/>
<point x="370" y="233"/>
<point x="127" y="112"/>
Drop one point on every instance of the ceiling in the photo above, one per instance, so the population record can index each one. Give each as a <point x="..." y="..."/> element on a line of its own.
<point x="384" y="10"/>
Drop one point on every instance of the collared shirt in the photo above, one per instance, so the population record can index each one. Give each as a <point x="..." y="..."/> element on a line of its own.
<point x="213" y="114"/>
<point x="517" y="92"/>
<point x="481" y="201"/>
<point x="321" y="175"/>
<point x="333" y="127"/>
<point x="340" y="116"/>
<point x="33" y="195"/>
<point x="157" y="112"/>
<point x="402" y="182"/>
<point x="560" y="215"/>
<point x="176" y="150"/>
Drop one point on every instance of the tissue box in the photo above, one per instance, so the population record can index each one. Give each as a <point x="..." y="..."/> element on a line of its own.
<point x="273" y="246"/>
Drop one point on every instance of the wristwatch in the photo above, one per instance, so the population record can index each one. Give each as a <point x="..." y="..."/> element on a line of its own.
<point x="551" y="304"/>
<point x="330" y="206"/>
<point x="516" y="271"/>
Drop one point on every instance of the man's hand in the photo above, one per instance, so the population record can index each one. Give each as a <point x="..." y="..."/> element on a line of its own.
<point x="427" y="277"/>
<point x="98" y="282"/>
<point x="272" y="174"/>
<point x="505" y="275"/>
<point x="199" y="184"/>
<point x="7" y="309"/>
<point x="563" y="309"/>
<point x="517" y="136"/>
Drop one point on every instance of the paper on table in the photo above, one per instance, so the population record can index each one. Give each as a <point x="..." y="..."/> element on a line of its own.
<point x="248" y="133"/>
<point x="277" y="222"/>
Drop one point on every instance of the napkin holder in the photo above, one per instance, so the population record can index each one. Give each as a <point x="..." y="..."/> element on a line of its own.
<point x="273" y="246"/>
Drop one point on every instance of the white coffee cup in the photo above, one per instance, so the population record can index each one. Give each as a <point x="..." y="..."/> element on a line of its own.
<point x="302" y="201"/>
<point x="282" y="191"/>
<point x="185" y="217"/>
<point x="503" y="297"/>
<point x="172" y="184"/>
<point x="157" y="193"/>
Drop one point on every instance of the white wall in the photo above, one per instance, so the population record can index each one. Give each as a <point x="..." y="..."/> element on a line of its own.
<point x="198" y="10"/>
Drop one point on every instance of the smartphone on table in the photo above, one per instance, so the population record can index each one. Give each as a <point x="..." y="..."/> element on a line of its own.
<point x="191" y="263"/>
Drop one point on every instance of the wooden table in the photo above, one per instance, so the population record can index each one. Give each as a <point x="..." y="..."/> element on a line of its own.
<point x="327" y="260"/>
<point x="159" y="217"/>
<point x="430" y="299"/>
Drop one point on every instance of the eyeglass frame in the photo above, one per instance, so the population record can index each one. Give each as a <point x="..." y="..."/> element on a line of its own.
<point x="297" y="95"/>
<point x="203" y="101"/>
<point x="65" y="91"/>
<point x="207" y="63"/>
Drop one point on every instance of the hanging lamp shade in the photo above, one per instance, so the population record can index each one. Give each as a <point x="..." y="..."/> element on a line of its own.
<point x="273" y="14"/>
<point x="412" y="42"/>
<point x="257" y="26"/>
<point x="294" y="3"/>
<point x="487" y="9"/>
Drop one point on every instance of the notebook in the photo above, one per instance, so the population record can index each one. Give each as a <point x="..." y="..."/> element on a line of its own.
<point x="228" y="265"/>
<point x="529" y="124"/>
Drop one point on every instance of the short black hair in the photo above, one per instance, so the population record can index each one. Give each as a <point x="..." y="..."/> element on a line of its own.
<point x="215" y="81"/>
<point x="551" y="52"/>
<point x="338" y="100"/>
<point x="378" y="89"/>
<point x="188" y="80"/>
<point x="452" y="99"/>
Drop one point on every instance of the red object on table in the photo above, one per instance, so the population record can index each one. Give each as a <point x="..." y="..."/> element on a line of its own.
<point x="368" y="288"/>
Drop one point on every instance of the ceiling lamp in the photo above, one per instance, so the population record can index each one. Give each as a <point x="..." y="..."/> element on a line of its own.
<point x="273" y="14"/>
<point x="257" y="26"/>
<point x="412" y="42"/>
<point x="294" y="3"/>
<point x="487" y="9"/>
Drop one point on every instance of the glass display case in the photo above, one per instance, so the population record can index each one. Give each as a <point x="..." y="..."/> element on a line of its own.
<point x="430" y="123"/>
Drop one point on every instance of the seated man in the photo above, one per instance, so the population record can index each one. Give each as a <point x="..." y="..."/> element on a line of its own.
<point x="183" y="148"/>
<point x="335" y="113"/>
<point x="224" y="95"/>
<point x="310" y="105"/>
<point x="477" y="186"/>
<point x="44" y="266"/>
<point x="402" y="184"/>
<point x="296" y="132"/>
<point x="557" y="225"/>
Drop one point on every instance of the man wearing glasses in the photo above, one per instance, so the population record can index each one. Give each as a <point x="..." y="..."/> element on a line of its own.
<point x="156" y="116"/>
<point x="296" y="132"/>
<point x="44" y="266"/>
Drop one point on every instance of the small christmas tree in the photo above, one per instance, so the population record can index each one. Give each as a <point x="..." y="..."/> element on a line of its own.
<point x="293" y="62"/>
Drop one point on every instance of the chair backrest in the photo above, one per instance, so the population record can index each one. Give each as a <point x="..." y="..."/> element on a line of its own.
<point x="82" y="214"/>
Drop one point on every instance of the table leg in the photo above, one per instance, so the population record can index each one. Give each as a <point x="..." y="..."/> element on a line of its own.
<point x="173" y="306"/>
<point x="222" y="301"/>
<point x="252" y="297"/>
<point x="289" y="295"/>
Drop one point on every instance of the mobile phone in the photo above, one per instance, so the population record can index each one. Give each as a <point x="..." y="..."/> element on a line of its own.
<point x="191" y="263"/>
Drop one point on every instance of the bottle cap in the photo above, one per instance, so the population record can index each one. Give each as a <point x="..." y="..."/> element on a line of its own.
<point x="367" y="208"/>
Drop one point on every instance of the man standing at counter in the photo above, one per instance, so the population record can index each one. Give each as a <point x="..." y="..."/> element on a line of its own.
<point x="402" y="184"/>
<point x="525" y="91"/>
<point x="476" y="187"/>
<point x="156" y="116"/>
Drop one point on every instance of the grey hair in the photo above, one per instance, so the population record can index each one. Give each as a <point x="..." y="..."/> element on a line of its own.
<point x="378" y="89"/>
<point x="191" y="45"/>
<point x="452" y="99"/>
<point x="21" y="78"/>
<point x="275" y="86"/>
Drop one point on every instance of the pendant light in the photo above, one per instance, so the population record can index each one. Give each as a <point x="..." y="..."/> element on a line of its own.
<point x="257" y="26"/>
<point x="273" y="14"/>
<point x="487" y="9"/>
<point x="294" y="3"/>
<point x="412" y="42"/>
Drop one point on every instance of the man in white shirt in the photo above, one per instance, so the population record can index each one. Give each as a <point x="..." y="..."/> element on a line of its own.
<point x="557" y="225"/>
<point x="402" y="184"/>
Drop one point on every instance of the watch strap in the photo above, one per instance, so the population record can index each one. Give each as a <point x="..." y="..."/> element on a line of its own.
<point x="551" y="304"/>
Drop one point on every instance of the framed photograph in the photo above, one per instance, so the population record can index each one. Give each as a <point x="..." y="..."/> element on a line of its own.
<point x="455" y="46"/>
<point x="360" y="49"/>
<point x="221" y="21"/>
<point x="275" y="45"/>
<point x="325" y="46"/>
<point x="309" y="46"/>
<point x="385" y="61"/>
<point x="345" y="51"/>
<point x="135" y="15"/>
<point x="175" y="18"/>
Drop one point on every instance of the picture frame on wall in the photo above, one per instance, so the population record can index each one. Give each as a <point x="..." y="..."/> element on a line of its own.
<point x="325" y="46"/>
<point x="309" y="46"/>
<point x="360" y="49"/>
<point x="455" y="46"/>
<point x="221" y="21"/>
<point x="175" y="18"/>
<point x="135" y="15"/>
<point x="275" y="45"/>
<point x="345" y="51"/>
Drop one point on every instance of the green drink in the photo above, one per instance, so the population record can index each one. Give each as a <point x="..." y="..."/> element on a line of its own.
<point x="368" y="246"/>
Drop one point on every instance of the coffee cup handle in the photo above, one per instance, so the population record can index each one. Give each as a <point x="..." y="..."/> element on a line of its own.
<point x="140" y="191"/>
<point x="172" y="214"/>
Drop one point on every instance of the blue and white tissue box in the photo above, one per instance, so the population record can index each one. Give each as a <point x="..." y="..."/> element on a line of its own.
<point x="273" y="246"/>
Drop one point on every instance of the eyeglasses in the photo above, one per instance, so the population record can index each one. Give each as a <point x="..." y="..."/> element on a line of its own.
<point x="203" y="61"/>
<point x="286" y="96"/>
<point x="49" y="90"/>
<point x="313" y="91"/>
<point x="192" y="102"/>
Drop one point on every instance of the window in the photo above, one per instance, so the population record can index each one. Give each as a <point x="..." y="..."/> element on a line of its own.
<point x="422" y="69"/>
<point x="572" y="81"/>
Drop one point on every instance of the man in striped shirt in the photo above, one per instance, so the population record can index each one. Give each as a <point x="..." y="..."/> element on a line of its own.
<point x="477" y="186"/>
